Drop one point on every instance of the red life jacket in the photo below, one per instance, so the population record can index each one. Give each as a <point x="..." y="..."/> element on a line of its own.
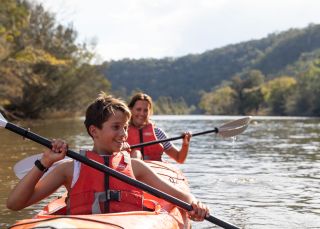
<point x="96" y="192"/>
<point x="145" y="134"/>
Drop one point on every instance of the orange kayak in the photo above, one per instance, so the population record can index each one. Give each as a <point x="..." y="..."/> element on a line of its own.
<point x="162" y="215"/>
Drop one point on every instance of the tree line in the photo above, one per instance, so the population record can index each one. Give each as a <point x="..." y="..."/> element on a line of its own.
<point x="192" y="78"/>
<point x="249" y="93"/>
<point x="42" y="67"/>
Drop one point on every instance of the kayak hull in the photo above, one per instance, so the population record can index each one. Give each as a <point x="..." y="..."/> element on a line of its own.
<point x="163" y="215"/>
<point x="117" y="220"/>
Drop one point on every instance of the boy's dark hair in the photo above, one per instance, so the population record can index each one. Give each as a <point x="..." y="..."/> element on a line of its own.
<point x="102" y="108"/>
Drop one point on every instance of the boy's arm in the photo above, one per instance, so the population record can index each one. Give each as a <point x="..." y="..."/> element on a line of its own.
<point x="145" y="174"/>
<point x="31" y="189"/>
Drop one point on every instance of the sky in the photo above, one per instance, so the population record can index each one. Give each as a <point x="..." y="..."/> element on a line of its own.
<point x="172" y="28"/>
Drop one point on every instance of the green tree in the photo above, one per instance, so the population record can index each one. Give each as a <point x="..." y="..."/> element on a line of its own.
<point x="247" y="87"/>
<point x="13" y="18"/>
<point x="45" y="70"/>
<point x="219" y="102"/>
<point x="306" y="99"/>
<point x="165" y="105"/>
<point x="276" y="92"/>
<point x="252" y="100"/>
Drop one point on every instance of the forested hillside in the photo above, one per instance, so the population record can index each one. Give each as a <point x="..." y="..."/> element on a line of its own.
<point x="189" y="76"/>
<point x="42" y="68"/>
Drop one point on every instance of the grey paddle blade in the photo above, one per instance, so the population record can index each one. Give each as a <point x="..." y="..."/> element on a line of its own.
<point x="234" y="128"/>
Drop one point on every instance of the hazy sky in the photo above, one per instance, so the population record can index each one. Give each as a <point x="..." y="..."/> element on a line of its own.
<point x="162" y="28"/>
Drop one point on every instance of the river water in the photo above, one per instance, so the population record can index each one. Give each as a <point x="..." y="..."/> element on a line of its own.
<point x="266" y="177"/>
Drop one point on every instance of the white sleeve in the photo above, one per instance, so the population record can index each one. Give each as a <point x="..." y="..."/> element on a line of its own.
<point x="76" y="172"/>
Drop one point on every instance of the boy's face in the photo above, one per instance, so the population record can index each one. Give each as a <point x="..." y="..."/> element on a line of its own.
<point x="112" y="135"/>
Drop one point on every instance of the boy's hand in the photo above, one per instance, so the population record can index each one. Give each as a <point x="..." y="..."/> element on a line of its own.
<point x="199" y="211"/>
<point x="57" y="152"/>
<point x="133" y="153"/>
<point x="126" y="147"/>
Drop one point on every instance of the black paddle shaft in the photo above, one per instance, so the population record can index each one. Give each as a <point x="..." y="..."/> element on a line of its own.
<point x="215" y="130"/>
<point x="103" y="168"/>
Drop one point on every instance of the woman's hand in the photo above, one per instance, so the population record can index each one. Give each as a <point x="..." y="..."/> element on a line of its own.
<point x="186" y="138"/>
<point x="57" y="153"/>
<point x="180" y="155"/>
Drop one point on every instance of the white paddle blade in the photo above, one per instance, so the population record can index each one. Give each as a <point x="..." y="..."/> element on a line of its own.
<point x="234" y="128"/>
<point x="237" y="123"/>
<point x="25" y="165"/>
<point x="228" y="132"/>
<point x="3" y="121"/>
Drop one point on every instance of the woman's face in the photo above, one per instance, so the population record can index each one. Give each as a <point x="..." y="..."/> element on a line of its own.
<point x="140" y="113"/>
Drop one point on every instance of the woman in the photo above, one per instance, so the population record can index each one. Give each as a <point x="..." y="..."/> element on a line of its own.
<point x="141" y="129"/>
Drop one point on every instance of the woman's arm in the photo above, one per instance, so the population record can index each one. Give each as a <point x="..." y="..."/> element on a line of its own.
<point x="180" y="155"/>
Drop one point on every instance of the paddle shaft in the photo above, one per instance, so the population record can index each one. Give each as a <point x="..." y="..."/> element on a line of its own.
<point x="215" y="130"/>
<point x="103" y="168"/>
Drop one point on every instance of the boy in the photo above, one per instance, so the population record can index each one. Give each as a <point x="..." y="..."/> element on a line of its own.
<point x="106" y="121"/>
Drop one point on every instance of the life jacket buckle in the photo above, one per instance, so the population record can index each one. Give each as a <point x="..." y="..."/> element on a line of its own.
<point x="114" y="195"/>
